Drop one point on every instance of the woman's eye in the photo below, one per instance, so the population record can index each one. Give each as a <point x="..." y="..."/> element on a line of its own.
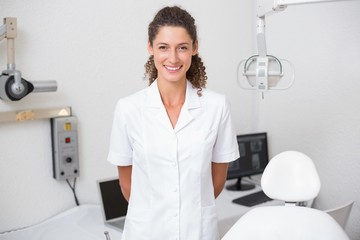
<point x="183" y="48"/>
<point x="162" y="47"/>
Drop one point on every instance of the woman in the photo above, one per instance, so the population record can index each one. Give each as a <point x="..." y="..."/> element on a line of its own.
<point x="173" y="140"/>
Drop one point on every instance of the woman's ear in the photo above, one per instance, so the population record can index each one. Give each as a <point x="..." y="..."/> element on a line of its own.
<point x="150" y="48"/>
<point x="195" y="48"/>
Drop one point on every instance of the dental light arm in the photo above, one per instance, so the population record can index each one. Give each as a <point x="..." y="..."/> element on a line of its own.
<point x="12" y="86"/>
<point x="262" y="71"/>
<point x="267" y="7"/>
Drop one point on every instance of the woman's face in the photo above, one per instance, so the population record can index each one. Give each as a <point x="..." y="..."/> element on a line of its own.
<point x="172" y="49"/>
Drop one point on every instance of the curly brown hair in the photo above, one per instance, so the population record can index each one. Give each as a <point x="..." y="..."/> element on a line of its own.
<point x="176" y="17"/>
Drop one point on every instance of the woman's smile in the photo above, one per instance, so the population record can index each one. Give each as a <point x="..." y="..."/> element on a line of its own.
<point x="172" y="69"/>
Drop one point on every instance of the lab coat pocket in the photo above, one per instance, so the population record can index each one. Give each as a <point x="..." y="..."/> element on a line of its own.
<point x="204" y="136"/>
<point x="137" y="224"/>
<point x="209" y="226"/>
<point x="203" y="142"/>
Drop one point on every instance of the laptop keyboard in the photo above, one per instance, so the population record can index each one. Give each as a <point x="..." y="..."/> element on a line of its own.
<point x="252" y="199"/>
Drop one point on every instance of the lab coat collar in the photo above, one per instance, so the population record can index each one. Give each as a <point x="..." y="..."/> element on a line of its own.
<point x="188" y="111"/>
<point x="190" y="108"/>
<point x="192" y="98"/>
<point x="153" y="96"/>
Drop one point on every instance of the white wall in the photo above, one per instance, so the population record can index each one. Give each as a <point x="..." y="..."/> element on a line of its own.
<point x="96" y="51"/>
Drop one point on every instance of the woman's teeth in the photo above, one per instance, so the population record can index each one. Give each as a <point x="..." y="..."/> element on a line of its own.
<point x="172" y="68"/>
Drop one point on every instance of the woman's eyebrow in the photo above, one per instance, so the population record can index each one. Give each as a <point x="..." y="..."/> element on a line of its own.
<point x="162" y="43"/>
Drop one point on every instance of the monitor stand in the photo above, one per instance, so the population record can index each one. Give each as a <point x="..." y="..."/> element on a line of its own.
<point x="238" y="186"/>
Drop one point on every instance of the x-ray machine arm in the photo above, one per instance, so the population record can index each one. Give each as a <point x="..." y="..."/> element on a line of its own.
<point x="12" y="86"/>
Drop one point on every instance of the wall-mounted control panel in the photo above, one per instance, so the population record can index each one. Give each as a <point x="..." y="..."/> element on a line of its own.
<point x="65" y="147"/>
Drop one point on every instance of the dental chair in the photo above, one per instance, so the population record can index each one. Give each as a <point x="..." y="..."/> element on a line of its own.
<point x="341" y="214"/>
<point x="290" y="177"/>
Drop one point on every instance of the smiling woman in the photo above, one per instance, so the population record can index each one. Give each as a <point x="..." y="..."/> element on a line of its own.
<point x="185" y="24"/>
<point x="172" y="50"/>
<point x="172" y="141"/>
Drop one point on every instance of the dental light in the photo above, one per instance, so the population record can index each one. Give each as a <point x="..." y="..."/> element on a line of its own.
<point x="12" y="86"/>
<point x="265" y="72"/>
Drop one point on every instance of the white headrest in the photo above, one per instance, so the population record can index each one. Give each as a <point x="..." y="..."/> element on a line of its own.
<point x="291" y="176"/>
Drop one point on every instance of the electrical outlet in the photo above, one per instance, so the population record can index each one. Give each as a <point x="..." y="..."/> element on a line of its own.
<point x="65" y="147"/>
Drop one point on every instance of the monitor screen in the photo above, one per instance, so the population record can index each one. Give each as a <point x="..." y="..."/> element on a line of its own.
<point x="113" y="202"/>
<point x="253" y="159"/>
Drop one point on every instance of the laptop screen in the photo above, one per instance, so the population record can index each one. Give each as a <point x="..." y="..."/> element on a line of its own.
<point x="113" y="202"/>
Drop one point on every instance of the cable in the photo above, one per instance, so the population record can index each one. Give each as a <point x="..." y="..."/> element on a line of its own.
<point x="73" y="189"/>
<point x="14" y="230"/>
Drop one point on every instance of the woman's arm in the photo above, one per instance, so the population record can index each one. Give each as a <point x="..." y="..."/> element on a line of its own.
<point x="125" y="180"/>
<point x="219" y="173"/>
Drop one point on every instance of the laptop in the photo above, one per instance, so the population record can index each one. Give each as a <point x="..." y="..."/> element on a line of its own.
<point x="112" y="202"/>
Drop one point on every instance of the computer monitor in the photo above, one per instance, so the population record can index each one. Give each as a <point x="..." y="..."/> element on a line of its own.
<point x="253" y="159"/>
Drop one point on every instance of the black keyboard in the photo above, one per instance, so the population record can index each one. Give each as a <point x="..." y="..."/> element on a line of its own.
<point x="252" y="199"/>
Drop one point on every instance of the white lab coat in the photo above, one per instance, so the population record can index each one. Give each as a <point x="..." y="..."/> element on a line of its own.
<point x="172" y="195"/>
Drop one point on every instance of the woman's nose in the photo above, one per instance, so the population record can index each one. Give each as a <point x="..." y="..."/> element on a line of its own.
<point x="173" y="56"/>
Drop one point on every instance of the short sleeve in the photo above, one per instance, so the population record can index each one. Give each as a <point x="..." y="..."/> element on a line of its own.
<point x="226" y="148"/>
<point x="120" y="148"/>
